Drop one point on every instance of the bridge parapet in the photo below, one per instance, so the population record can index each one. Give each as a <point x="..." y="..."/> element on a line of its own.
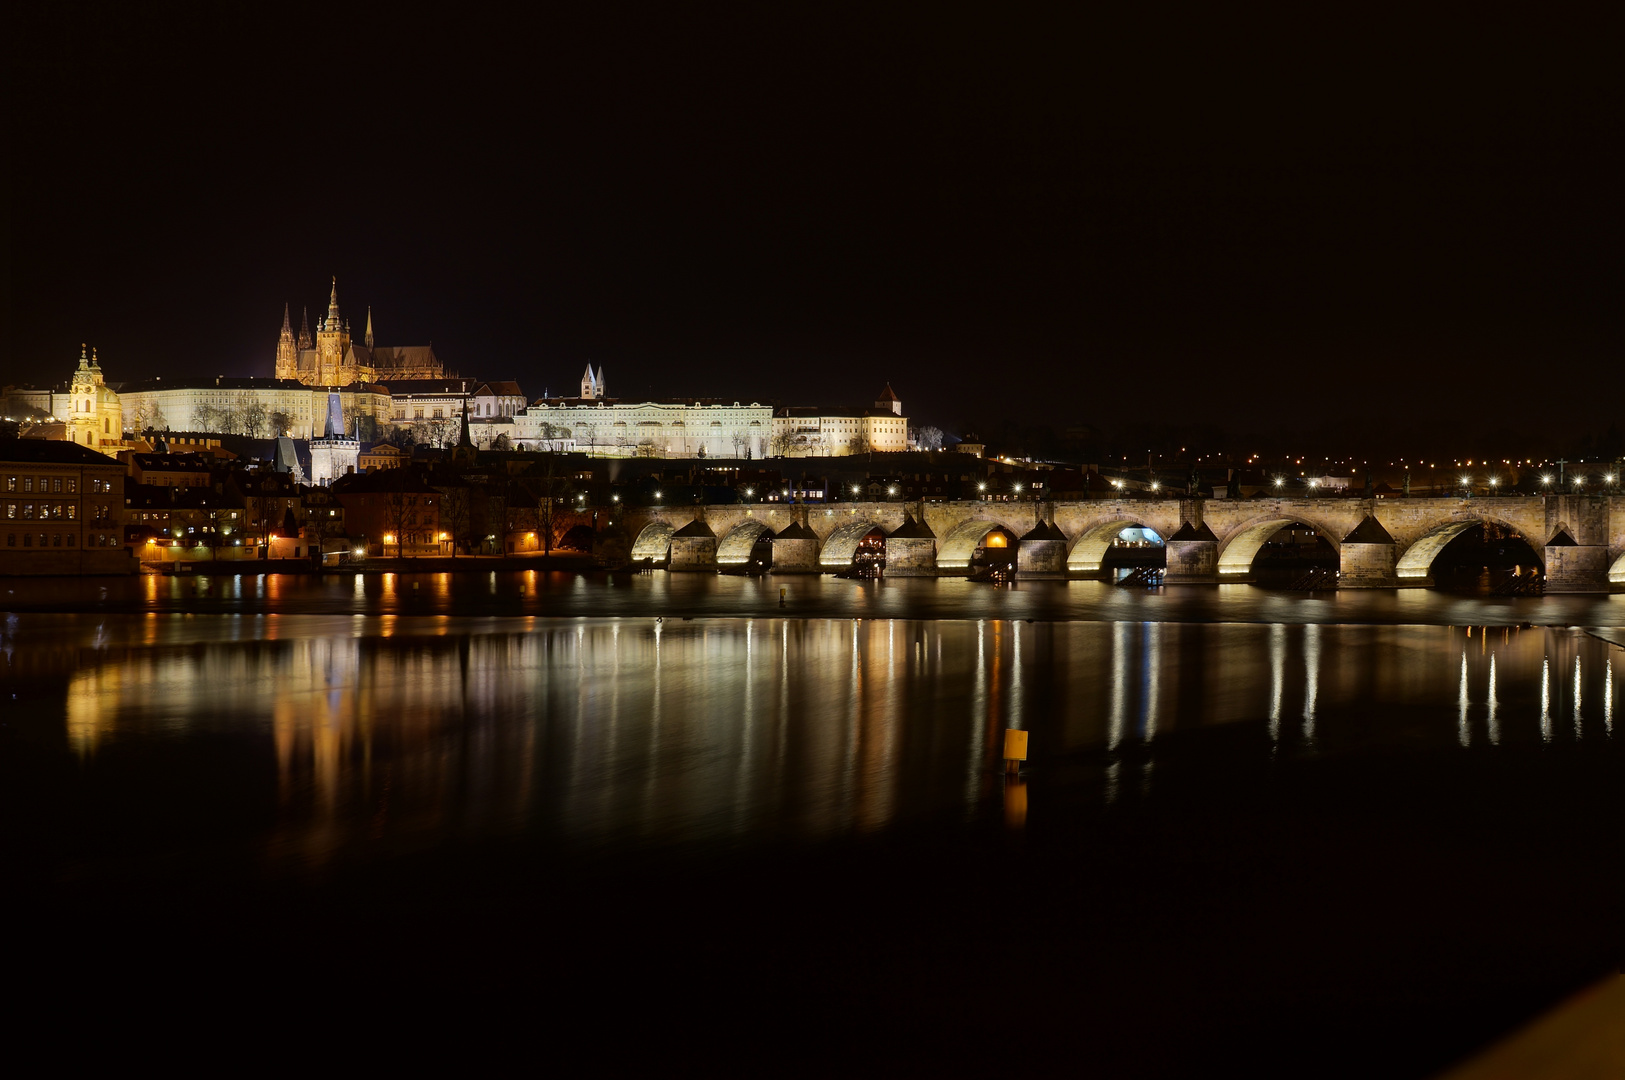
<point x="1591" y="558"/>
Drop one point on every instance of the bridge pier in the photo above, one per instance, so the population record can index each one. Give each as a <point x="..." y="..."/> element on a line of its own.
<point x="1042" y="553"/>
<point x="1193" y="556"/>
<point x="911" y="551"/>
<point x="1368" y="558"/>
<point x="795" y="550"/>
<point x="1575" y="568"/>
<point x="694" y="547"/>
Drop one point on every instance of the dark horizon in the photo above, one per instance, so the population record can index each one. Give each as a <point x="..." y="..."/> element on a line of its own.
<point x="1380" y="233"/>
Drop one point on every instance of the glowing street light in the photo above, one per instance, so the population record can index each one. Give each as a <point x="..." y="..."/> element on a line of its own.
<point x="1156" y="485"/>
<point x="1546" y="479"/>
<point x="1279" y="482"/>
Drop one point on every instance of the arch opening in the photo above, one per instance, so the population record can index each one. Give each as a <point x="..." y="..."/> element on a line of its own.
<point x="959" y="547"/>
<point x="1476" y="556"/>
<point x="653" y="545"/>
<point x="841" y="549"/>
<point x="1089" y="554"/>
<point x="1277" y="548"/>
<point x="1616" y="573"/>
<point x="994" y="559"/>
<point x="738" y="548"/>
<point x="1134" y="547"/>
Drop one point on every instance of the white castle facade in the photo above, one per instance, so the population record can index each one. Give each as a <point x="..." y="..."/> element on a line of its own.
<point x="324" y="387"/>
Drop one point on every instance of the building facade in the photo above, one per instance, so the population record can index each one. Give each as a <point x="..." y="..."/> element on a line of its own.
<point x="61" y="509"/>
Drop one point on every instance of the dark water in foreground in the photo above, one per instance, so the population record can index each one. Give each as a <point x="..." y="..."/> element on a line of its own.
<point x="1317" y="849"/>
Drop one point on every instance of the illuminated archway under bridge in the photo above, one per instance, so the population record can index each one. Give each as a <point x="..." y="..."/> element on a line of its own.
<point x="1380" y="543"/>
<point x="735" y="548"/>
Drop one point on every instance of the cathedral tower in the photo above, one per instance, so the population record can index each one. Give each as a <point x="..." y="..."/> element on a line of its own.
<point x="368" y="338"/>
<point x="287" y="351"/>
<point x="332" y="342"/>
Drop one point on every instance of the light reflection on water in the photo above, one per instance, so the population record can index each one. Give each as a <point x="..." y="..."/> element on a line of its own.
<point x="606" y="732"/>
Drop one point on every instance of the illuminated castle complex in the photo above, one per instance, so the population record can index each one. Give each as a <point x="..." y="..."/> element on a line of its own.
<point x="332" y="359"/>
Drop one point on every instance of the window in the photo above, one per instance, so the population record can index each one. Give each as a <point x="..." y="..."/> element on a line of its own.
<point x="11" y="511"/>
<point x="56" y="483"/>
<point x="28" y="511"/>
<point x="56" y="539"/>
<point x="70" y="539"/>
<point x="11" y="483"/>
<point x="28" y="483"/>
<point x="11" y="539"/>
<point x="28" y="539"/>
<point x="73" y="485"/>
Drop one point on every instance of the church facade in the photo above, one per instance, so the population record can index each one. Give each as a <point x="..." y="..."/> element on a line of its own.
<point x="331" y="358"/>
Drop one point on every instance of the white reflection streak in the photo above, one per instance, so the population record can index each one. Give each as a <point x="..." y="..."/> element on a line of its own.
<point x="1546" y="699"/>
<point x="1277" y="678"/>
<point x="1494" y="724"/>
<point x="1461" y="720"/>
<point x="1114" y="732"/>
<point x="1311" y="669"/>
<point x="1608" y="696"/>
<point x="1576" y="696"/>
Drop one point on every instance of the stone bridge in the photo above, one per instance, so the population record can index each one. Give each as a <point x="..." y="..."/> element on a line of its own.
<point x="1381" y="543"/>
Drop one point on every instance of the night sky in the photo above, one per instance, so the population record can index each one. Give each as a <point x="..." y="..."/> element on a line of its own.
<point x="1250" y="221"/>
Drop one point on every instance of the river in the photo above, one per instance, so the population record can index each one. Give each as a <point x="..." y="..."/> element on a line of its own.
<point x="1382" y="823"/>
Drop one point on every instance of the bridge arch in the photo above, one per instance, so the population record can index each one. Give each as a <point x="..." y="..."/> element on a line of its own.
<point x="842" y="544"/>
<point x="962" y="540"/>
<point x="1089" y="550"/>
<point x="1240" y="548"/>
<point x="653" y="543"/>
<point x="734" y="549"/>
<point x="1616" y="573"/>
<point x="1417" y="560"/>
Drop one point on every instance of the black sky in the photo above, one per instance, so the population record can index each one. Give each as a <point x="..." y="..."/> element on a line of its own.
<point x="1230" y="219"/>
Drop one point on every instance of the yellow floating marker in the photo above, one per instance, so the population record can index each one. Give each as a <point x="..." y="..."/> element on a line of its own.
<point x="1015" y="749"/>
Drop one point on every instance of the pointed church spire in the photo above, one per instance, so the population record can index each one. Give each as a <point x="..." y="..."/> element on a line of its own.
<point x="464" y="439"/>
<point x="287" y="327"/>
<point x="598" y="382"/>
<point x="369" y="326"/>
<point x="333" y="307"/>
<point x="305" y="341"/>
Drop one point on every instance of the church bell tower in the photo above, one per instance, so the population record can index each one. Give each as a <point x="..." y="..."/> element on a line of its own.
<point x="287" y="352"/>
<point x="332" y="343"/>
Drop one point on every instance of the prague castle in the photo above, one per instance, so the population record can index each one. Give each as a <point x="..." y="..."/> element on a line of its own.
<point x="332" y="359"/>
<point x="334" y="392"/>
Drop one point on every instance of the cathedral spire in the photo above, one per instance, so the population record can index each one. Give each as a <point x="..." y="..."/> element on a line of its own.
<point x="287" y="327"/>
<point x="333" y="307"/>
<point x="368" y="338"/>
<point x="305" y="341"/>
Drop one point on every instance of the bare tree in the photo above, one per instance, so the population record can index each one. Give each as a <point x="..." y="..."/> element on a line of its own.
<point x="280" y="422"/>
<point x="928" y="437"/>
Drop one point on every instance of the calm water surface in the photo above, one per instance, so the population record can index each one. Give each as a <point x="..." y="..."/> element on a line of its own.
<point x="1358" y="834"/>
<point x="349" y="730"/>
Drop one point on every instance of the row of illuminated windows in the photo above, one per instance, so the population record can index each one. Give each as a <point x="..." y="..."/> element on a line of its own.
<point x="60" y="540"/>
<point x="68" y="484"/>
<point x="26" y="511"/>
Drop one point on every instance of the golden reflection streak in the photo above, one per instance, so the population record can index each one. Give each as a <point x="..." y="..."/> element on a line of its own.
<point x="978" y="708"/>
<point x="1277" y="679"/>
<point x="1153" y="669"/>
<point x="1608" y="695"/>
